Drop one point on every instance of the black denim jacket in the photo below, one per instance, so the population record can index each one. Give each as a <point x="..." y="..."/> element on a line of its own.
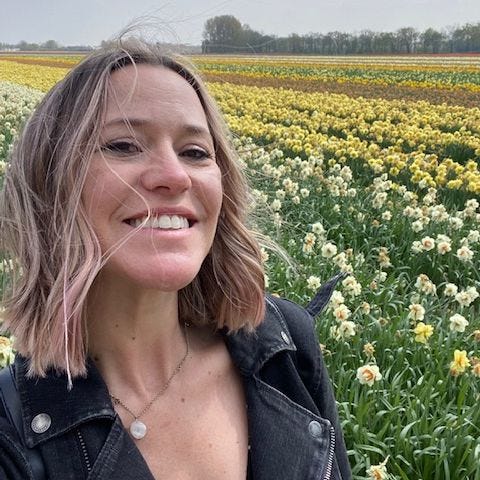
<point x="294" y="432"/>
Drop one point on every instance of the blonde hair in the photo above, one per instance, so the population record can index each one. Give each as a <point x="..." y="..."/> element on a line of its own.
<point x="46" y="233"/>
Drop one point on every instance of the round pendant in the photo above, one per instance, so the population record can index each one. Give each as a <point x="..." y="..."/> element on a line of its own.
<point x="138" y="429"/>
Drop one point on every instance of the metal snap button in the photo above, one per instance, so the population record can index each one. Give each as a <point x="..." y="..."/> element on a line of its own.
<point x="315" y="429"/>
<point x="41" y="423"/>
<point x="285" y="337"/>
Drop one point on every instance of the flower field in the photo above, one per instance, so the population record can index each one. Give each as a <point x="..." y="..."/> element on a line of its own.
<point x="449" y="73"/>
<point x="381" y="187"/>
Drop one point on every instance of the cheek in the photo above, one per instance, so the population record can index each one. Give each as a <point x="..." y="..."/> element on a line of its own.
<point x="217" y="186"/>
<point x="210" y="192"/>
<point x="96" y="198"/>
<point x="92" y="200"/>
<point x="217" y="195"/>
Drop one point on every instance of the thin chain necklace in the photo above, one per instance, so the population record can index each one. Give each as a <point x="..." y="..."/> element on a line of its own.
<point x="137" y="428"/>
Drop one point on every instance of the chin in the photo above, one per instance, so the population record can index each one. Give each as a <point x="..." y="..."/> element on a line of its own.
<point x="163" y="285"/>
<point x="166" y="276"/>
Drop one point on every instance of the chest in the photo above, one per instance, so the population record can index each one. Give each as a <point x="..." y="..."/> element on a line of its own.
<point x="193" y="437"/>
<point x="211" y="447"/>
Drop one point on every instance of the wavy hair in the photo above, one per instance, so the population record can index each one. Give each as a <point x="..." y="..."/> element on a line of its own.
<point x="48" y="241"/>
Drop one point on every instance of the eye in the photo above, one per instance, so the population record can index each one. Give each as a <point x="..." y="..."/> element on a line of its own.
<point x="196" y="153"/>
<point x="121" y="147"/>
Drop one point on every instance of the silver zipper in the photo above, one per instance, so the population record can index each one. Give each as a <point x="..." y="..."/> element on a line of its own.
<point x="331" y="453"/>
<point x="84" y="451"/>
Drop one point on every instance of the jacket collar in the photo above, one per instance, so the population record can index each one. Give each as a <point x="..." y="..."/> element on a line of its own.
<point x="89" y="397"/>
<point x="250" y="350"/>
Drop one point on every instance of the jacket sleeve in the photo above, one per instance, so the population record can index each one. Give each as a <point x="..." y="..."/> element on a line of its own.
<point x="13" y="462"/>
<point x="314" y="375"/>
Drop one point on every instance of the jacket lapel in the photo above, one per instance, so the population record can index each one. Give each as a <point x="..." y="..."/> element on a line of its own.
<point x="286" y="440"/>
<point x="121" y="460"/>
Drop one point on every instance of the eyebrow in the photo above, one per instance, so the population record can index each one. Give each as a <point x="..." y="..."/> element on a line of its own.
<point x="140" y="122"/>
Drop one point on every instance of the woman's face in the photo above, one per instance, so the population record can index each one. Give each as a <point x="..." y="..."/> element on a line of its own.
<point x="156" y="154"/>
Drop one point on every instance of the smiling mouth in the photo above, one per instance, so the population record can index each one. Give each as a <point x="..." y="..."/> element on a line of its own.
<point x="162" y="222"/>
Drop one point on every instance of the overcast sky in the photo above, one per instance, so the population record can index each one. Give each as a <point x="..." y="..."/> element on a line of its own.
<point x="87" y="22"/>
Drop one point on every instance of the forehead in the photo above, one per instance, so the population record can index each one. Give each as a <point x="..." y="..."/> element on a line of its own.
<point x="151" y="88"/>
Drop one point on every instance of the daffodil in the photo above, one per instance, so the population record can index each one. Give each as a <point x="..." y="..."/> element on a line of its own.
<point x="460" y="362"/>
<point x="458" y="323"/>
<point x="368" y="374"/>
<point x="6" y="352"/>
<point x="422" y="332"/>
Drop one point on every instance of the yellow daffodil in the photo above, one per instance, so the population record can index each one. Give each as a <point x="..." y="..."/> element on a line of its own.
<point x="422" y="332"/>
<point x="460" y="362"/>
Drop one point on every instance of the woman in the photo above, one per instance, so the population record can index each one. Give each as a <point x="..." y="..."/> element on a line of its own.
<point x="147" y="348"/>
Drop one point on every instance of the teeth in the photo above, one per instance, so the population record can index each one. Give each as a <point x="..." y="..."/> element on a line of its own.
<point x="176" y="222"/>
<point x="164" y="222"/>
<point x="168" y="222"/>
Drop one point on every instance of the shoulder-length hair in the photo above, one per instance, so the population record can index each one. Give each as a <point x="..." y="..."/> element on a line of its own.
<point x="49" y="243"/>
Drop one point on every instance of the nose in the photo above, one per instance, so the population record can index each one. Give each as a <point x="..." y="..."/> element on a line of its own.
<point x="165" y="170"/>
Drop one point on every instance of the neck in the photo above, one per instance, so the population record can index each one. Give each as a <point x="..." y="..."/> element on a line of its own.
<point x="135" y="337"/>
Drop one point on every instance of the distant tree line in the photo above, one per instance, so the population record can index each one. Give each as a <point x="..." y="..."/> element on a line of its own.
<point x="226" y="34"/>
<point x="52" y="45"/>
<point x="49" y="45"/>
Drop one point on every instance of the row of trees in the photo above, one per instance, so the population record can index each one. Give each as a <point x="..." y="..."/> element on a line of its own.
<point x="226" y="34"/>
<point x="52" y="45"/>
<point x="49" y="45"/>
